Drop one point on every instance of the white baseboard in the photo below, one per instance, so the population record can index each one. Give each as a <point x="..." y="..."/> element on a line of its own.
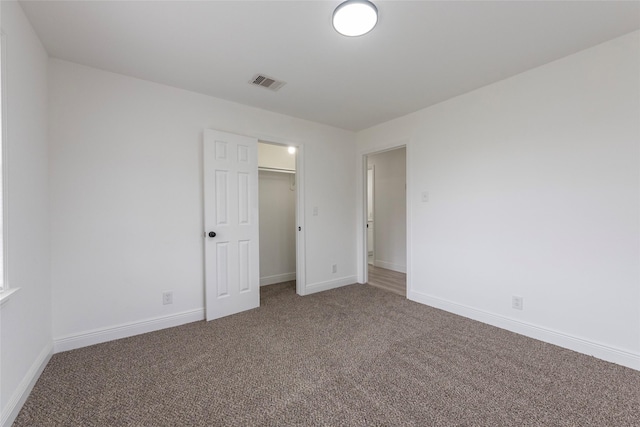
<point x="277" y="278"/>
<point x="601" y="351"/>
<point x="330" y="284"/>
<point x="12" y="409"/>
<point x="390" y="266"/>
<point x="98" y="336"/>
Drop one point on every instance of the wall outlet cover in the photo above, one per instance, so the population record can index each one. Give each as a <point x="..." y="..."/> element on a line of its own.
<point x="517" y="302"/>
<point x="167" y="297"/>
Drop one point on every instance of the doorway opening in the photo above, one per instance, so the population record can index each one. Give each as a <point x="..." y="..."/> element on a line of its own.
<point x="278" y="215"/>
<point x="232" y="223"/>
<point x="386" y="220"/>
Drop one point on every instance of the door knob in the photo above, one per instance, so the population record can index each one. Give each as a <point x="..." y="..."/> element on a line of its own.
<point x="212" y="234"/>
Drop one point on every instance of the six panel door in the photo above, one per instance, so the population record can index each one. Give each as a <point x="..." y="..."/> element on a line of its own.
<point x="232" y="277"/>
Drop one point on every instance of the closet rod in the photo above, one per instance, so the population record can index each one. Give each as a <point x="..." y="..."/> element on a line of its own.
<point x="276" y="170"/>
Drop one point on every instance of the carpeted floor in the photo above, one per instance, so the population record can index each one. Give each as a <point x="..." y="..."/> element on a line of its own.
<point x="352" y="356"/>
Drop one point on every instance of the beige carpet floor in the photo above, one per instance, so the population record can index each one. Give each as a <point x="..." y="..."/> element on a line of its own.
<point x="354" y="356"/>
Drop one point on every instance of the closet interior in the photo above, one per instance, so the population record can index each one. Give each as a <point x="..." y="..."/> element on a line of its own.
<point x="277" y="204"/>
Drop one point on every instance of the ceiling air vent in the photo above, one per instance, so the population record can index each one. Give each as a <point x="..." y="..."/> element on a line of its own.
<point x="266" y="82"/>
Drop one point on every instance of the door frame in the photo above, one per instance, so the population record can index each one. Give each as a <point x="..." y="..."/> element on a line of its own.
<point x="373" y="209"/>
<point x="301" y="284"/>
<point x="362" y="164"/>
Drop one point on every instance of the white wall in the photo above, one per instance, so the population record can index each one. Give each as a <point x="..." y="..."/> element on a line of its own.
<point x="390" y="209"/>
<point x="277" y="227"/>
<point x="126" y="193"/>
<point x="25" y="319"/>
<point x="533" y="191"/>
<point x="275" y="157"/>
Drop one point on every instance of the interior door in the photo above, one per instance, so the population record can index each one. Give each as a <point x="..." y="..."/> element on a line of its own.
<point x="232" y="276"/>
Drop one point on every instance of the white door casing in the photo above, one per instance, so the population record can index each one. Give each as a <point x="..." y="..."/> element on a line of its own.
<point x="370" y="213"/>
<point x="232" y="276"/>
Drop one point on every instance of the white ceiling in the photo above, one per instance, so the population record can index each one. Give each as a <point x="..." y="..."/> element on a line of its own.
<point x="421" y="52"/>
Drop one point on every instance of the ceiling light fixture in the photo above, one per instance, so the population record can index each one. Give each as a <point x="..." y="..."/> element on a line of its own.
<point x="291" y="150"/>
<point x="355" y="17"/>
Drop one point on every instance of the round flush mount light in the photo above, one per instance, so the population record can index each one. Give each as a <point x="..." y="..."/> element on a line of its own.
<point x="355" y="17"/>
<point x="291" y="150"/>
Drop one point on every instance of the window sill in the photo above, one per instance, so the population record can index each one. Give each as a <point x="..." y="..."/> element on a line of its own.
<point x="5" y="295"/>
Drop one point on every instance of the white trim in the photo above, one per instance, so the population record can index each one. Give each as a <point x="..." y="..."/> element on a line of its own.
<point x="371" y="219"/>
<point x="277" y="278"/>
<point x="330" y="284"/>
<point x="4" y="152"/>
<point x="390" y="266"/>
<point x="362" y="247"/>
<point x="601" y="351"/>
<point x="409" y="195"/>
<point x="301" y="248"/>
<point x="6" y="294"/>
<point x="361" y="196"/>
<point x="97" y="336"/>
<point x="15" y="403"/>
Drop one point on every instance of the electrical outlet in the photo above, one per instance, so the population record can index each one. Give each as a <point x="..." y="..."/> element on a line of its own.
<point x="517" y="302"/>
<point x="334" y="268"/>
<point x="167" y="297"/>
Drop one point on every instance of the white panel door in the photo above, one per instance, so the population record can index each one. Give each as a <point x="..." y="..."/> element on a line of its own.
<point x="232" y="276"/>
